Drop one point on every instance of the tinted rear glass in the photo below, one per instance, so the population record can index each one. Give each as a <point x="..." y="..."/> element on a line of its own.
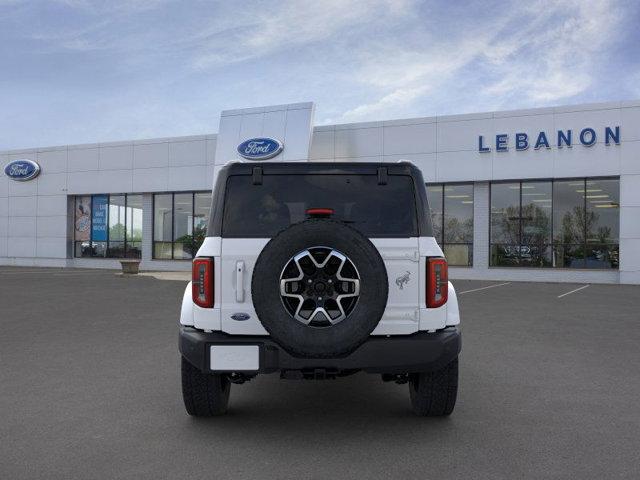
<point x="281" y="200"/>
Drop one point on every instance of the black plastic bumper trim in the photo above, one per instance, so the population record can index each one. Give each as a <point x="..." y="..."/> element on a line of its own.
<point x="419" y="352"/>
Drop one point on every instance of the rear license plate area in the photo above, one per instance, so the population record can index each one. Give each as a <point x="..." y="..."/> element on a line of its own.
<point x="234" y="358"/>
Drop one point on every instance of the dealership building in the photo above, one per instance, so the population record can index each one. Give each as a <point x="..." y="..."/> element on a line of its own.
<point x="548" y="194"/>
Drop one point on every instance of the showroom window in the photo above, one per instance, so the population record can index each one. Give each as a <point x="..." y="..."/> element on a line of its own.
<point x="564" y="224"/>
<point x="451" y="206"/>
<point x="108" y="226"/>
<point x="179" y="224"/>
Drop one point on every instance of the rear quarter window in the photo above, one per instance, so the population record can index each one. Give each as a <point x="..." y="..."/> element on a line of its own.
<point x="261" y="211"/>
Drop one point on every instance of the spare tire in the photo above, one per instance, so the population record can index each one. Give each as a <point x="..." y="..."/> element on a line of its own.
<point x="319" y="288"/>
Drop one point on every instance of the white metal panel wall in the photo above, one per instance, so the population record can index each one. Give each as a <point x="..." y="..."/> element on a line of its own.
<point x="35" y="228"/>
<point x="291" y="124"/>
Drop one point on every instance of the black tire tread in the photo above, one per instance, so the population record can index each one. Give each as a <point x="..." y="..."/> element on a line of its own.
<point x="433" y="394"/>
<point x="204" y="394"/>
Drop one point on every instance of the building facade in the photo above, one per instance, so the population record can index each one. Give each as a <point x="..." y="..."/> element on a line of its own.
<point x="550" y="194"/>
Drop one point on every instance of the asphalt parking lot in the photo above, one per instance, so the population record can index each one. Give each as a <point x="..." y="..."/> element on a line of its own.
<point x="89" y="388"/>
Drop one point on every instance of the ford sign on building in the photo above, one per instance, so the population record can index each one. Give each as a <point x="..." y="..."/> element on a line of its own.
<point x="259" y="148"/>
<point x="22" y="170"/>
<point x="550" y="194"/>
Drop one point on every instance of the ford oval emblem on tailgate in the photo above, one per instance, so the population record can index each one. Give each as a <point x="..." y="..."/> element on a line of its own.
<point x="240" y="317"/>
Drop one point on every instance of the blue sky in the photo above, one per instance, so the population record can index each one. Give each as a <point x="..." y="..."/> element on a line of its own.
<point x="76" y="71"/>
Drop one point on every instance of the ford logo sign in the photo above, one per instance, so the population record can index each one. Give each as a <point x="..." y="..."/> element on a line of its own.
<point x="22" y="170"/>
<point x="260" y="148"/>
<point x="240" y="317"/>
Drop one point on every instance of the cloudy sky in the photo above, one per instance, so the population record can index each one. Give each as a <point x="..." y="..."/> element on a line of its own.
<point x="77" y="71"/>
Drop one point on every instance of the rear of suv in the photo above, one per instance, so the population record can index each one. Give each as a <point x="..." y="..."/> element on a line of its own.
<point x="319" y="270"/>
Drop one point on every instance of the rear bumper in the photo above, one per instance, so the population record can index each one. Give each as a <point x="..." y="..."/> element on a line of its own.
<point x="420" y="352"/>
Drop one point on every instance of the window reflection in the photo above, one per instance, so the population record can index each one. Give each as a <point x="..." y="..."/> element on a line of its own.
<point x="505" y="224"/>
<point x="82" y="226"/>
<point x="434" y="196"/>
<point x="117" y="218"/>
<point x="603" y="223"/>
<point x="565" y="223"/>
<point x="108" y="226"/>
<point x="451" y="208"/>
<point x="536" y="201"/>
<point x="162" y="225"/>
<point x="180" y="224"/>
<point x="201" y="207"/>
<point x="134" y="226"/>
<point x="569" y="223"/>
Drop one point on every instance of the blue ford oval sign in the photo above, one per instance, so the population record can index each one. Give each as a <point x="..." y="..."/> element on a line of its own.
<point x="240" y="317"/>
<point x="260" y="148"/>
<point x="22" y="170"/>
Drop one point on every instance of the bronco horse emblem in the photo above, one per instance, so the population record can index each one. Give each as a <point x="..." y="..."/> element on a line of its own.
<point x="403" y="279"/>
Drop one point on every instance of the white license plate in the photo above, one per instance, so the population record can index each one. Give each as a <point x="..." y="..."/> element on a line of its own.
<point x="234" y="357"/>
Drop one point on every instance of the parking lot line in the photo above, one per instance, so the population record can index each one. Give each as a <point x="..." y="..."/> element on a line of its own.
<point x="55" y="273"/>
<point x="484" y="288"/>
<point x="573" y="291"/>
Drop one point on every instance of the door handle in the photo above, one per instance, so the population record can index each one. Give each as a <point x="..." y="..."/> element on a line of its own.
<point x="239" y="281"/>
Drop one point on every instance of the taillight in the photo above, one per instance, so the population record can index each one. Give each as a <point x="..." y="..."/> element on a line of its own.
<point x="437" y="282"/>
<point x="202" y="282"/>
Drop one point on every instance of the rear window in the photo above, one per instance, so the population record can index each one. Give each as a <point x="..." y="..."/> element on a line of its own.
<point x="264" y="210"/>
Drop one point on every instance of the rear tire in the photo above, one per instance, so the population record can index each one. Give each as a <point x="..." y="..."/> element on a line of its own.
<point x="433" y="394"/>
<point x="204" y="394"/>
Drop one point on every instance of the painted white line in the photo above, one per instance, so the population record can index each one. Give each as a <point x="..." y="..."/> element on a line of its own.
<point x="70" y="274"/>
<point x="484" y="288"/>
<point x="26" y="273"/>
<point x="573" y="291"/>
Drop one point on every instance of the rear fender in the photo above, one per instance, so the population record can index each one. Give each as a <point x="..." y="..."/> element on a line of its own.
<point x="453" y="313"/>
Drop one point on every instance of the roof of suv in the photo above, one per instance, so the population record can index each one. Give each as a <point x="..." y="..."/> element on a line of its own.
<point x="365" y="168"/>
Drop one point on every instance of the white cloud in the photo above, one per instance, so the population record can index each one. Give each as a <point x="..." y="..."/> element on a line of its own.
<point x="543" y="52"/>
<point x="555" y="63"/>
<point x="260" y="32"/>
<point x="160" y="68"/>
<point x="405" y="76"/>
<point x="397" y="98"/>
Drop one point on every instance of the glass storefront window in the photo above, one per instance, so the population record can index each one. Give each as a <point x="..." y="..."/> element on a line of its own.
<point x="134" y="226"/>
<point x="180" y="224"/>
<point x="505" y="224"/>
<point x="434" y="196"/>
<point x="201" y="207"/>
<point x="451" y="208"/>
<point x="568" y="223"/>
<point x="82" y="226"/>
<point x="108" y="226"/>
<point x="603" y="223"/>
<point x="536" y="200"/>
<point x="162" y="225"/>
<point x="117" y="219"/>
<point x="564" y="223"/>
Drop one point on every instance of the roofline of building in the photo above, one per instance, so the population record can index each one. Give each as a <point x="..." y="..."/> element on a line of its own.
<point x="353" y="126"/>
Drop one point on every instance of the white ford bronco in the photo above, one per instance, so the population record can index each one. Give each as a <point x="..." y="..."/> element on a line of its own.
<point x="319" y="270"/>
